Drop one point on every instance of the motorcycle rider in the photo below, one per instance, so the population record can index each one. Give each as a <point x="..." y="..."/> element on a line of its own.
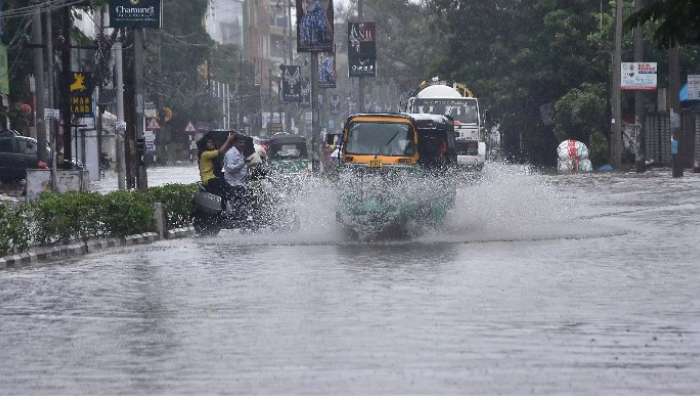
<point x="236" y="176"/>
<point x="208" y="162"/>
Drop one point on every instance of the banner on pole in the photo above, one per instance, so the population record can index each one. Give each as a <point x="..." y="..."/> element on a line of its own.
<point x="135" y="13"/>
<point x="306" y="92"/>
<point x="326" y="70"/>
<point x="362" y="49"/>
<point x="80" y="91"/>
<point x="639" y="76"/>
<point x="314" y="26"/>
<point x="291" y="83"/>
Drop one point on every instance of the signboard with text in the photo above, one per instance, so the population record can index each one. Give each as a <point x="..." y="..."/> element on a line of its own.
<point x="693" y="87"/>
<point x="135" y="13"/>
<point x="639" y="76"/>
<point x="362" y="49"/>
<point x="80" y="90"/>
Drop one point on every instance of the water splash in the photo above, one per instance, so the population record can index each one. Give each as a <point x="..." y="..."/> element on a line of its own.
<point x="504" y="203"/>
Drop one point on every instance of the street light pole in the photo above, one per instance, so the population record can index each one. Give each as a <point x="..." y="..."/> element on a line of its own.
<point x="52" y="97"/>
<point x="640" y="150"/>
<point x="616" y="139"/>
<point x="361" y="83"/>
<point x="142" y="176"/>
<point x="40" y="89"/>
<point x="121" y="125"/>
<point x="674" y="69"/>
<point x="315" y="117"/>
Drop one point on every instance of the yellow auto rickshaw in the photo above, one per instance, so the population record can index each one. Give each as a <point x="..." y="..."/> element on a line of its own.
<point x="383" y="184"/>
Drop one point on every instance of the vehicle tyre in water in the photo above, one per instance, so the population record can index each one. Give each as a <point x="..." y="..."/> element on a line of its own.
<point x="205" y="226"/>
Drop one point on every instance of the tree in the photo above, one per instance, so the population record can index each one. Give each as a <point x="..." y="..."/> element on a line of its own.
<point x="520" y="56"/>
<point x="676" y="22"/>
<point x="580" y="113"/>
<point x="407" y="41"/>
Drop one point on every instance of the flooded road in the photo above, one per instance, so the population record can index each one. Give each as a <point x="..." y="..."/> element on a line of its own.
<point x="537" y="285"/>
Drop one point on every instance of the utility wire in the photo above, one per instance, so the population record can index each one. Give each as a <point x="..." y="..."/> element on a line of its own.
<point x="29" y="10"/>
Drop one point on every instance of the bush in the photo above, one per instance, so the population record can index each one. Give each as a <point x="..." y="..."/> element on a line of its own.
<point x="71" y="216"/>
<point x="177" y="202"/>
<point x="14" y="230"/>
<point x="126" y="213"/>
<point x="65" y="217"/>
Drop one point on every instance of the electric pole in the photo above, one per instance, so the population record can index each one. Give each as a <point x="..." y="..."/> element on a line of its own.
<point x="361" y="82"/>
<point x="52" y="96"/>
<point x="315" y="117"/>
<point x="99" y="24"/>
<point x="66" y="53"/>
<point x="37" y="40"/>
<point x="121" y="125"/>
<point x="639" y="114"/>
<point x="142" y="177"/>
<point x="674" y="69"/>
<point x="616" y="139"/>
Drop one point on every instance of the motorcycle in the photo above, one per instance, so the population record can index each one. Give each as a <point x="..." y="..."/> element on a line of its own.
<point x="250" y="210"/>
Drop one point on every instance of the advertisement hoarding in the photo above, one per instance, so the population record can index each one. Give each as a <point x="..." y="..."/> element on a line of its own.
<point x="291" y="83"/>
<point x="693" y="87"/>
<point x="80" y="91"/>
<point x="135" y="13"/>
<point x="639" y="76"/>
<point x="326" y="70"/>
<point x="314" y="26"/>
<point x="306" y="92"/>
<point x="362" y="49"/>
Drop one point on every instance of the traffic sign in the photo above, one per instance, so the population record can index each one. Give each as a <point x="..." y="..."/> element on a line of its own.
<point x="190" y="128"/>
<point x="152" y="124"/>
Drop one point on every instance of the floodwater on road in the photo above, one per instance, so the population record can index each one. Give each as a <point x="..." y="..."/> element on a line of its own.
<point x="537" y="285"/>
<point x="157" y="176"/>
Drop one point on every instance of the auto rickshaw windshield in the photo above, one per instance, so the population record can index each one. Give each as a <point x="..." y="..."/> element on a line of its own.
<point x="388" y="139"/>
<point x="288" y="151"/>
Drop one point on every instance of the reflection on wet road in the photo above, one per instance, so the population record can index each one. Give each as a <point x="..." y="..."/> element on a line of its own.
<point x="539" y="284"/>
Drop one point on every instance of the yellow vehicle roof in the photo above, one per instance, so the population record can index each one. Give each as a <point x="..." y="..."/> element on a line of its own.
<point x="397" y="118"/>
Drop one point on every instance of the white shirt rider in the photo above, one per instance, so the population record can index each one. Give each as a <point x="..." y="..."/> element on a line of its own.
<point x="235" y="168"/>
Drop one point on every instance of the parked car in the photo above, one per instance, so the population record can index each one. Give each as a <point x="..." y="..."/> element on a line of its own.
<point x="18" y="154"/>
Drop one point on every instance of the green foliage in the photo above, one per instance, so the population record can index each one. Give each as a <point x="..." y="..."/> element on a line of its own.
<point x="14" y="232"/>
<point x="175" y="55"/>
<point x="65" y="217"/>
<point x="126" y="213"/>
<point x="599" y="151"/>
<point x="177" y="202"/>
<point x="56" y="218"/>
<point x="521" y="55"/>
<point x="675" y="22"/>
<point x="580" y="113"/>
<point x="408" y="40"/>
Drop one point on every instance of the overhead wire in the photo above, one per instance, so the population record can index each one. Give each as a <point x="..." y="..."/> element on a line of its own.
<point x="29" y="10"/>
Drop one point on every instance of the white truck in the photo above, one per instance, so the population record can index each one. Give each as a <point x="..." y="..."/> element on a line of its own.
<point x="441" y="98"/>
